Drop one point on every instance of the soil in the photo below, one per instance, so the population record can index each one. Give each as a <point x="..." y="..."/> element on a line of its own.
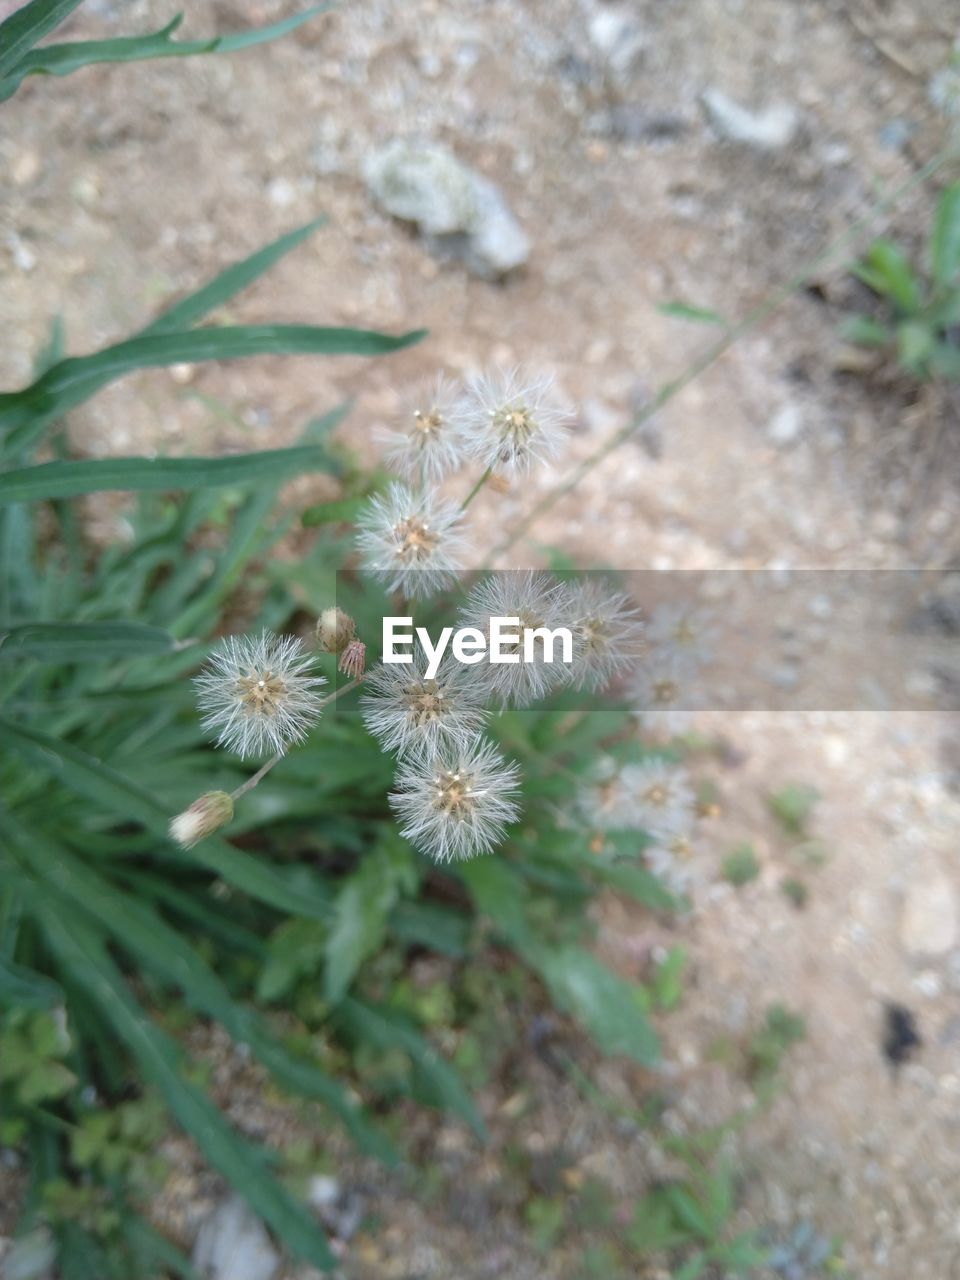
<point x="124" y="187"/>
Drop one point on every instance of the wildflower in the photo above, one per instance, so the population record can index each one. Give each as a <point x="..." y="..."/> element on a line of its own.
<point x="663" y="692"/>
<point x="257" y="694"/>
<point x="207" y="814"/>
<point x="606" y="631"/>
<point x="669" y="862"/>
<point x="509" y="423"/>
<point x="335" y="630"/>
<point x="457" y="804"/>
<point x="661" y="799"/>
<point x="687" y="630"/>
<point x="411" y="541"/>
<point x="405" y="710"/>
<point x="353" y="660"/>
<point x="429" y="444"/>
<point x="605" y="803"/>
<point x="539" y="603"/>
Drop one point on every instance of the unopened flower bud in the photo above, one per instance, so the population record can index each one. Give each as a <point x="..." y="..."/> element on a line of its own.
<point x="335" y="630"/>
<point x="353" y="660"/>
<point x="207" y="814"/>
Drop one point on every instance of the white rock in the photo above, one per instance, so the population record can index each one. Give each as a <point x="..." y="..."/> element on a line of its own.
<point x="617" y="37"/>
<point x="929" y="922"/>
<point x="786" y="425"/>
<point x="768" y="130"/>
<point x="461" y="214"/>
<point x="233" y="1245"/>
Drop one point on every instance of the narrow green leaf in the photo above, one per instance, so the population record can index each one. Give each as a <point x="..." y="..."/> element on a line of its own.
<point x="186" y="312"/>
<point x="915" y="342"/>
<point x="865" y="332"/>
<point x="683" y="311"/>
<point x="637" y="882"/>
<point x="28" y="24"/>
<point x="607" y="1005"/>
<point x="62" y="59"/>
<point x="886" y="269"/>
<point x="945" y="240"/>
<point x="160" y="1063"/>
<point x="83" y="641"/>
<point x="23" y="988"/>
<point x="360" y="920"/>
<point x="144" y="475"/>
<point x="25" y="413"/>
<point x="341" y="512"/>
<point x="387" y="1029"/>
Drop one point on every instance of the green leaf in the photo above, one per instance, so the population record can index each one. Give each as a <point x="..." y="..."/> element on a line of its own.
<point x="22" y="988"/>
<point x="945" y="240"/>
<point x="865" y="332"/>
<point x="341" y="512"/>
<point x="605" y="1004"/>
<point x="186" y="312"/>
<point x="637" y="882"/>
<point x="683" y="311"/>
<point x="46" y="1080"/>
<point x="360" y="920"/>
<point x="28" y="24"/>
<point x="915" y="341"/>
<point x="144" y="475"/>
<point x="945" y="361"/>
<point x="387" y="1029"/>
<point x="83" y="641"/>
<point x="887" y="271"/>
<point x="159" y="1060"/>
<point x="62" y="59"/>
<point x="667" y="982"/>
<point x="25" y="413"/>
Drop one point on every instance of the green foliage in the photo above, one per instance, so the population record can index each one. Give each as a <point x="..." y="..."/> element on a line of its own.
<point x="919" y="320"/>
<point x="22" y="30"/>
<point x="781" y="1030"/>
<point x="795" y="891"/>
<point x="793" y="807"/>
<point x="741" y="866"/>
<point x="666" y="984"/>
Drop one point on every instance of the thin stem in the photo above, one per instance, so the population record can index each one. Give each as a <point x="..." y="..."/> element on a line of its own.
<point x="264" y="769"/>
<point x="712" y="354"/>
<point x="476" y="488"/>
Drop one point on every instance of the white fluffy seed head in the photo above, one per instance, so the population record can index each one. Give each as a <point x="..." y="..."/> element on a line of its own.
<point x="407" y="712"/>
<point x="687" y="631"/>
<point x="605" y="803"/>
<point x="539" y="601"/>
<point x="207" y="814"/>
<point x="428" y="442"/>
<point x="664" y="692"/>
<point x="661" y="799"/>
<point x="670" y="863"/>
<point x="457" y="804"/>
<point x="511" y="421"/>
<point x="412" y="541"/>
<point x="257" y="695"/>
<point x="607" y="634"/>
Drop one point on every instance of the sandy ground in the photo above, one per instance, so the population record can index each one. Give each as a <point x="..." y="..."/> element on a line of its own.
<point x="122" y="188"/>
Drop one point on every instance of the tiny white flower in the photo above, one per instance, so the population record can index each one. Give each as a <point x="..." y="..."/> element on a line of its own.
<point x="428" y="443"/>
<point x="538" y="601"/>
<point x="510" y="421"/>
<point x="661" y="798"/>
<point x="411" y="541"/>
<point x="686" y="629"/>
<point x="458" y="804"/>
<point x="257" y="694"/>
<point x="406" y="711"/>
<point x="607" y="633"/>
<point x="664" y="692"/>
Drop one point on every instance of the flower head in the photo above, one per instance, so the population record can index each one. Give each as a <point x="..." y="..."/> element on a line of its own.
<point x="660" y="797"/>
<point x="688" y="631"/>
<point x="353" y="660"/>
<point x="457" y="805"/>
<point x="207" y="814"/>
<point x="406" y="711"/>
<point x="669" y="861"/>
<point x="428" y="443"/>
<point x="606" y="633"/>
<point x="510" y="422"/>
<point x="411" y="541"/>
<point x="604" y="801"/>
<point x="335" y="630"/>
<point x="539" y="602"/>
<point x="664" y="692"/>
<point x="257" y="694"/>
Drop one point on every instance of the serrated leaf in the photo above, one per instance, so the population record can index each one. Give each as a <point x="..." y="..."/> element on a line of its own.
<point x="83" y="641"/>
<point x="945" y="239"/>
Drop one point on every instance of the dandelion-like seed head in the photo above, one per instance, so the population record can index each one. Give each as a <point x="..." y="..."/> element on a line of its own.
<point x="457" y="804"/>
<point x="406" y="710"/>
<point x="540" y="603"/>
<point x="661" y="797"/>
<point x="511" y="421"/>
<point x="353" y="660"/>
<point x="664" y="693"/>
<point x="607" y="633"/>
<point x="412" y="541"/>
<point x="688" y="631"/>
<point x="605" y="803"/>
<point x="207" y="814"/>
<point x="257" y="695"/>
<point x="428" y="443"/>
<point x="669" y="861"/>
